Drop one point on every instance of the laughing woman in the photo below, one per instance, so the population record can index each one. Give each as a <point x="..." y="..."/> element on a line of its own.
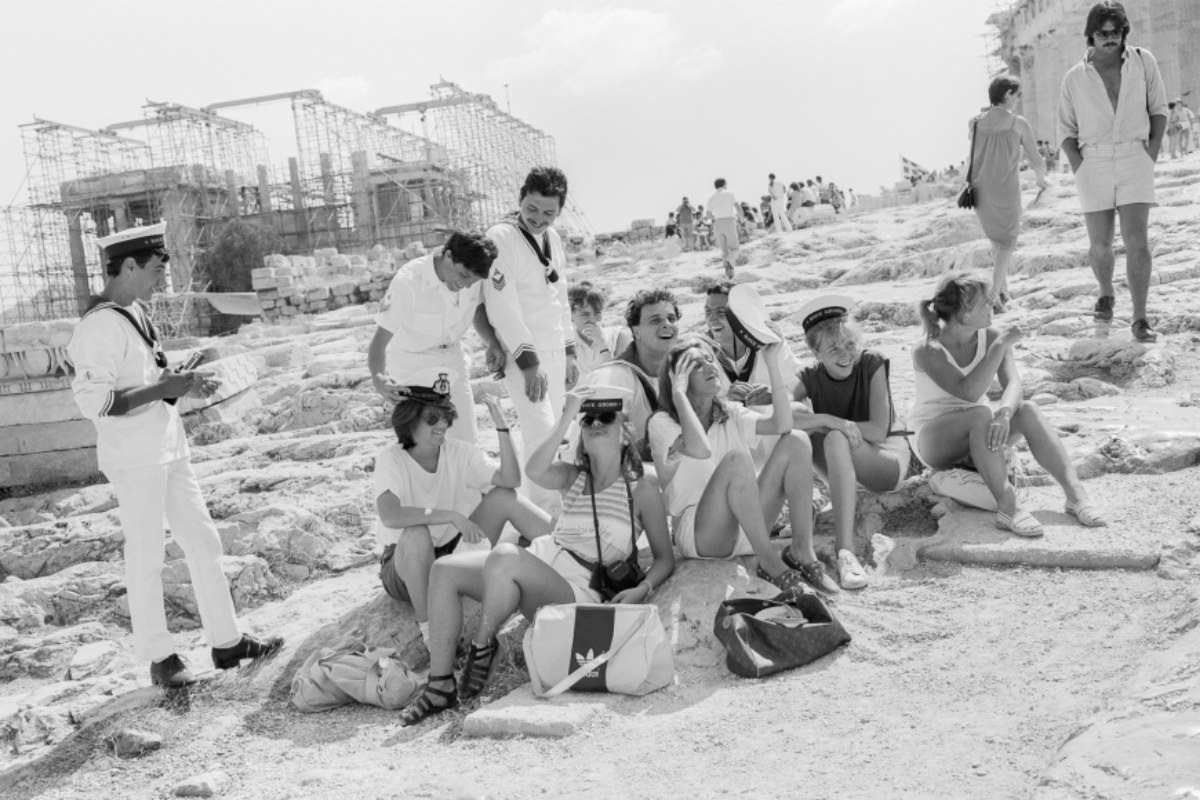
<point x="606" y="504"/>
<point x="702" y="451"/>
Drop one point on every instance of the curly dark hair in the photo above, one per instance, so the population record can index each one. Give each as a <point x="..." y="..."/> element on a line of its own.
<point x="647" y="297"/>
<point x="473" y="250"/>
<point x="546" y="181"/>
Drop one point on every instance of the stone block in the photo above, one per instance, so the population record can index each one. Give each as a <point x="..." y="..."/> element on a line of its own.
<point x="284" y="280"/>
<point x="275" y="261"/>
<point x="46" y="437"/>
<point x="60" y="466"/>
<point x="320" y="293"/>
<point x="519" y="713"/>
<point x="287" y="291"/>
<point x="268" y="294"/>
<point x="266" y="304"/>
<point x="36" y="335"/>
<point x="289" y="311"/>
<point x="44" y="406"/>
<point x="284" y="270"/>
<point x="265" y="282"/>
<point x="342" y="288"/>
<point x="263" y="272"/>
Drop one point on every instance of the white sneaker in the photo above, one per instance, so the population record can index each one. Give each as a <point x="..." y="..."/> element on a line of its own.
<point x="851" y="574"/>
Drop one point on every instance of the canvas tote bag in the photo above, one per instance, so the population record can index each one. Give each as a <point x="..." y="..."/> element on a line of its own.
<point x="757" y="645"/>
<point x="591" y="647"/>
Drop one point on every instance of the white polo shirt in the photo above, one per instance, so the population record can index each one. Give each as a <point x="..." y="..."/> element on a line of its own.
<point x="422" y="314"/>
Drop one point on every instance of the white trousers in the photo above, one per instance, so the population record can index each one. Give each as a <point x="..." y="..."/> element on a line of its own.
<point x="145" y="495"/>
<point x="537" y="419"/>
<point x="401" y="365"/>
<point x="779" y="211"/>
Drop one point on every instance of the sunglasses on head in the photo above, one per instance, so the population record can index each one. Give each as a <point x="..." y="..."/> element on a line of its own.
<point x="601" y="418"/>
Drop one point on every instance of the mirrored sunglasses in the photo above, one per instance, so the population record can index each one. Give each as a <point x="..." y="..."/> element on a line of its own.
<point x="603" y="418"/>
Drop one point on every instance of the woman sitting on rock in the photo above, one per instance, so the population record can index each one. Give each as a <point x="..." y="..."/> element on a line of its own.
<point x="432" y="492"/>
<point x="607" y="503"/>
<point x="951" y="419"/>
<point x="702" y="452"/>
<point x="850" y="423"/>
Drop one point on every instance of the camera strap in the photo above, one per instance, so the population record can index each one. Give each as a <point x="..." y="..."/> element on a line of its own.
<point x="596" y="519"/>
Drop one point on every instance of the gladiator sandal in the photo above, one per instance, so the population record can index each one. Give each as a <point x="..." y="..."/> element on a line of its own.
<point x="479" y="667"/>
<point x="432" y="701"/>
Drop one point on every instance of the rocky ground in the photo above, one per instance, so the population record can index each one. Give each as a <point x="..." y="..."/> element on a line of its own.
<point x="982" y="666"/>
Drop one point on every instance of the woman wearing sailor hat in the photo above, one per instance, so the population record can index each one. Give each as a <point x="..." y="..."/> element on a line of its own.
<point x="606" y="504"/>
<point x="433" y="491"/>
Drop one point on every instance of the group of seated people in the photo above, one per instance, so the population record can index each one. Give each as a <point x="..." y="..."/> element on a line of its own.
<point x="696" y="441"/>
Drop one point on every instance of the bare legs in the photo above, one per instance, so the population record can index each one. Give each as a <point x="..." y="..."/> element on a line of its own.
<point x="1135" y="221"/>
<point x="947" y="439"/>
<point x="1002" y="258"/>
<point x="733" y="499"/>
<point x="877" y="469"/>
<point x="414" y="551"/>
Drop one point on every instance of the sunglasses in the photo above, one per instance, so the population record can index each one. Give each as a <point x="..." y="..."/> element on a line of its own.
<point x="1103" y="33"/>
<point x="432" y="418"/>
<point x="603" y="418"/>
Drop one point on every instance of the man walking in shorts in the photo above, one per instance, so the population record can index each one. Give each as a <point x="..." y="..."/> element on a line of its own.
<point x="1112" y="113"/>
<point x="723" y="207"/>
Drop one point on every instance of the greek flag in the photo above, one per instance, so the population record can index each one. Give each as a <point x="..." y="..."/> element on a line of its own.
<point x="912" y="169"/>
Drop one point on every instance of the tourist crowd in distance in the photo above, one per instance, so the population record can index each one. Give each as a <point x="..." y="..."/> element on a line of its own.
<point x="695" y="442"/>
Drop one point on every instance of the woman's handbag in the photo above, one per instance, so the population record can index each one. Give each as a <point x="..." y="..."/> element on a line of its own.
<point x="762" y="637"/>
<point x="598" y="648"/>
<point x="612" y="579"/>
<point x="966" y="198"/>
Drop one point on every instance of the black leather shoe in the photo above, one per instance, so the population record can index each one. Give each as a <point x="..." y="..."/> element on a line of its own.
<point x="247" y="647"/>
<point x="171" y="673"/>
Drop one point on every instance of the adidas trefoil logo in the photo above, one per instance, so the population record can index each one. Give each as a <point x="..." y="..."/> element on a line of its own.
<point x="583" y="659"/>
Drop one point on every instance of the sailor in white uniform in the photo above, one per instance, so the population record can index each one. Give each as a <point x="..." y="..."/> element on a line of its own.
<point x="428" y="307"/>
<point x="527" y="304"/>
<point x="123" y="385"/>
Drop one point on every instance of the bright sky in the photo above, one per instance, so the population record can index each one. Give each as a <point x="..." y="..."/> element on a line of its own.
<point x="647" y="102"/>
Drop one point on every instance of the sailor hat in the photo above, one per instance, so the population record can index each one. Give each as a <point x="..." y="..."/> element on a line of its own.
<point x="430" y="386"/>
<point x="748" y="317"/>
<point x="605" y="398"/>
<point x="135" y="240"/>
<point x="823" y="308"/>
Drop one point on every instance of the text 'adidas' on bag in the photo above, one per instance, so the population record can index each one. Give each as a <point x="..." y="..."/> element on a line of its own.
<point x="758" y="646"/>
<point x="598" y="648"/>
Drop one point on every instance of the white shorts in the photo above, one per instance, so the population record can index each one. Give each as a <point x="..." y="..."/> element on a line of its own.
<point x="684" y="528"/>
<point x="574" y="573"/>
<point x="1114" y="175"/>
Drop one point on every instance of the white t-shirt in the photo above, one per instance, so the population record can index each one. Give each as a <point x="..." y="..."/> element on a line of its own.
<point x="685" y="478"/>
<point x="463" y="475"/>
<point x="723" y="204"/>
<point x="587" y="356"/>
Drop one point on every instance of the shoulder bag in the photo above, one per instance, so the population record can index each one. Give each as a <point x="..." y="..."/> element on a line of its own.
<point x="762" y="637"/>
<point x="966" y="198"/>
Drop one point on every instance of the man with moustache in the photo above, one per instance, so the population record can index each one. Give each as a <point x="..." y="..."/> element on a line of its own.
<point x="1112" y="113"/>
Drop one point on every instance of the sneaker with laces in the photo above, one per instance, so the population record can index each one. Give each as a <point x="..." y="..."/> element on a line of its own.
<point x="1104" y="308"/>
<point x="171" y="673"/>
<point x="812" y="572"/>
<point x="851" y="574"/>
<point x="247" y="647"/>
<point x="1142" y="331"/>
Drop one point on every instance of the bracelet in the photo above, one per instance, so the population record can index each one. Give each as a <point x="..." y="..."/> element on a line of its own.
<point x="502" y="430"/>
<point x="1004" y="408"/>
<point x="649" y="586"/>
<point x="428" y="511"/>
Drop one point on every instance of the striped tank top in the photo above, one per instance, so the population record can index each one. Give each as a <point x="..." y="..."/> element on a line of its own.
<point x="575" y="529"/>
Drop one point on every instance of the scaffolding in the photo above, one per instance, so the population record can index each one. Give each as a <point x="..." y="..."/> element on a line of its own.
<point x="490" y="148"/>
<point x="356" y="181"/>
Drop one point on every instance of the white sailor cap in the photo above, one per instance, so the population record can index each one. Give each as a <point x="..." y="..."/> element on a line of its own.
<point x="605" y="397"/>
<point x="748" y="317"/>
<point x="430" y="386"/>
<point x="828" y="307"/>
<point x="135" y="240"/>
